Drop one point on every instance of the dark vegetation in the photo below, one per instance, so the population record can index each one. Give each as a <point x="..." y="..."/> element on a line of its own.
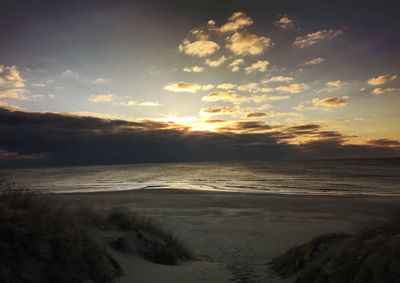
<point x="369" y="256"/>
<point x="41" y="241"/>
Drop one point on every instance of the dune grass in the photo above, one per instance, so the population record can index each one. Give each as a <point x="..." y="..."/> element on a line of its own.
<point x="139" y="234"/>
<point x="41" y="241"/>
<point x="368" y="256"/>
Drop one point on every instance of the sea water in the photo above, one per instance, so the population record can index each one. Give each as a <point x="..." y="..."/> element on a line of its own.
<point x="322" y="177"/>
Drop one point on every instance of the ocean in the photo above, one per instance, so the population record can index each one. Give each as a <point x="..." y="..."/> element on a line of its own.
<point x="323" y="177"/>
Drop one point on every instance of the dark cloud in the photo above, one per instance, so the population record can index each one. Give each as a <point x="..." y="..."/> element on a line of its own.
<point x="56" y="139"/>
<point x="257" y="115"/>
<point x="304" y="129"/>
<point x="385" y="142"/>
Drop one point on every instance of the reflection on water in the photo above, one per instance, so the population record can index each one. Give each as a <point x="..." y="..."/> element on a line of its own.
<point x="366" y="177"/>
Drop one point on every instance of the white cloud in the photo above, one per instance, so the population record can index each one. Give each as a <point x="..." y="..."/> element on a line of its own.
<point x="67" y="72"/>
<point x="316" y="37"/>
<point x="260" y="66"/>
<point x="207" y="87"/>
<point x="222" y="96"/>
<point x="249" y="87"/>
<point x="379" y="91"/>
<point x="12" y="85"/>
<point x="226" y="86"/>
<point x="12" y="94"/>
<point x="278" y="79"/>
<point x="262" y="98"/>
<point x="330" y="102"/>
<point x="99" y="81"/>
<point x="216" y="63"/>
<point x="383" y="79"/>
<point x="200" y="48"/>
<point x="218" y="110"/>
<point x="247" y="43"/>
<point x="315" y="61"/>
<point x="194" y="69"/>
<point x="11" y="107"/>
<point x="130" y="102"/>
<point x="187" y="87"/>
<point x="10" y="77"/>
<point x="105" y="97"/>
<point x="127" y="103"/>
<point x="149" y="104"/>
<point x="334" y="84"/>
<point x="237" y="21"/>
<point x="285" y="22"/>
<point x="293" y="88"/>
<point x="235" y="65"/>
<point x="38" y="85"/>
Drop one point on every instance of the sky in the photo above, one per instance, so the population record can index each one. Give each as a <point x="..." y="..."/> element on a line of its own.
<point x="107" y="82"/>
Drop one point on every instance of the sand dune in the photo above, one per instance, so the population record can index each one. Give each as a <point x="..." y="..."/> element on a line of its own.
<point x="235" y="235"/>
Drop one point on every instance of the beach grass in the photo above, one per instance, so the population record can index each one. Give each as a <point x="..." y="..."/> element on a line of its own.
<point x="42" y="241"/>
<point x="370" y="255"/>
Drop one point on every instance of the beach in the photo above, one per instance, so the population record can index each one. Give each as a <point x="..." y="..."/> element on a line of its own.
<point x="233" y="235"/>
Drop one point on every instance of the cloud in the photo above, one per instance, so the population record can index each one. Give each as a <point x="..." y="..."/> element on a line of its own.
<point x="385" y="142"/>
<point x="226" y="86"/>
<point x="315" y="61"/>
<point x="127" y="103"/>
<point x="259" y="66"/>
<point x="61" y="139"/>
<point x="284" y="22"/>
<point x="334" y="84"/>
<point x="200" y="34"/>
<point x="249" y="87"/>
<point x="149" y="104"/>
<point x="254" y="88"/>
<point x="12" y="94"/>
<point x="331" y="102"/>
<point x="237" y="21"/>
<point x="257" y="115"/>
<point x="379" y="91"/>
<point x="277" y="79"/>
<point x="216" y="63"/>
<point x="222" y="96"/>
<point x="247" y="126"/>
<point x="187" y="87"/>
<point x="217" y="110"/>
<point x="12" y="85"/>
<point x="293" y="88"/>
<point x="207" y="87"/>
<point x="194" y="69"/>
<point x="235" y="65"/>
<point x="316" y="37"/>
<point x="245" y="43"/>
<point x="200" y="48"/>
<point x="68" y="72"/>
<point x="99" y="81"/>
<point x="38" y="84"/>
<point x="130" y="102"/>
<point x="10" y="107"/>
<point x="380" y="80"/>
<point x="236" y="99"/>
<point x="106" y="97"/>
<point x="261" y="98"/>
<point x="11" y="77"/>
